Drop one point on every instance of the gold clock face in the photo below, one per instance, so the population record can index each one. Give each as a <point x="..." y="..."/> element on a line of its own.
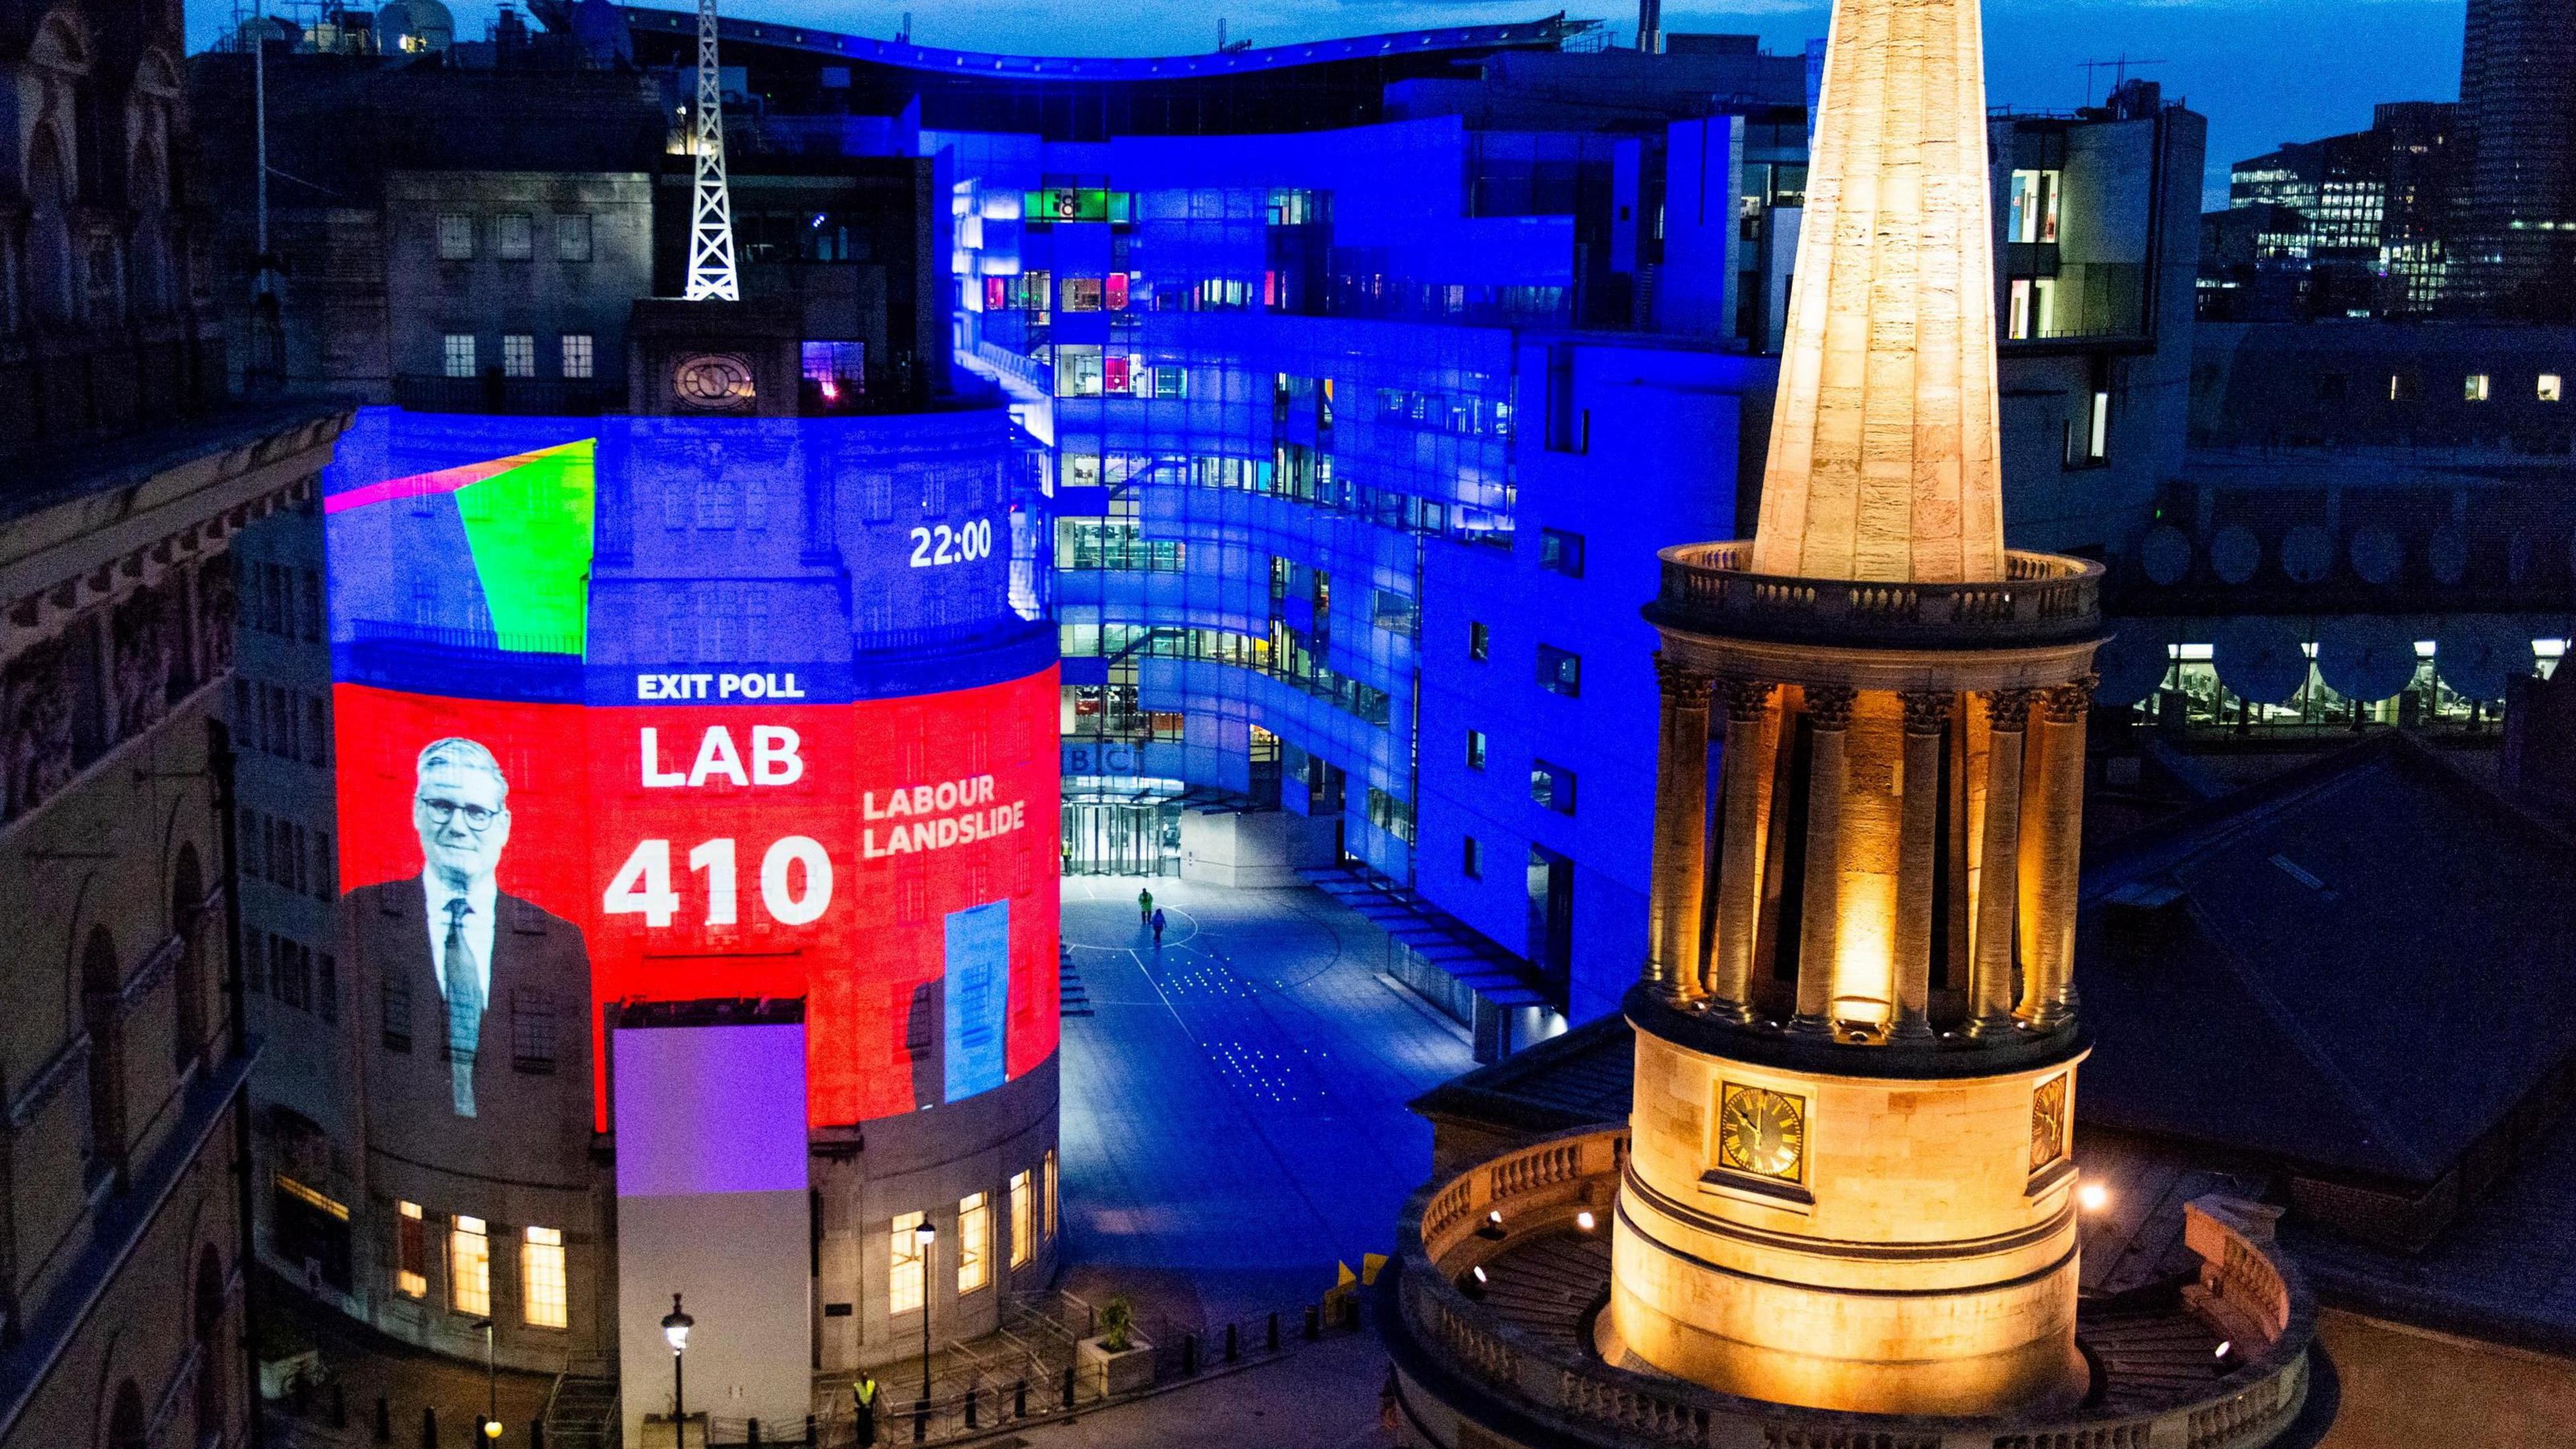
<point x="2048" y="1122"/>
<point x="712" y="381"/>
<point x="1763" y="1132"/>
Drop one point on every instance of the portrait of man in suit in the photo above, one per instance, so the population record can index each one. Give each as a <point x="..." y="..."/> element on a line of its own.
<point x="492" y="970"/>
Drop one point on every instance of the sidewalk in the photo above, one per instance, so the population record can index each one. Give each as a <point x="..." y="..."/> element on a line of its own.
<point x="1325" y="1396"/>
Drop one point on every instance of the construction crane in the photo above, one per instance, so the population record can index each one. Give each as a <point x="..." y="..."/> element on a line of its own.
<point x="711" y="270"/>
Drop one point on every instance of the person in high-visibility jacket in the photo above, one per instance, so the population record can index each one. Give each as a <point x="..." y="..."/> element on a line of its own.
<point x="863" y="1410"/>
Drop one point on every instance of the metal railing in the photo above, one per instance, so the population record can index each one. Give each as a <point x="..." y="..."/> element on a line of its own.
<point x="2042" y="598"/>
<point x="1540" y="1188"/>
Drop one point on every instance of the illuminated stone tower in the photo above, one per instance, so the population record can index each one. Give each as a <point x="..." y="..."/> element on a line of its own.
<point x="1850" y="1183"/>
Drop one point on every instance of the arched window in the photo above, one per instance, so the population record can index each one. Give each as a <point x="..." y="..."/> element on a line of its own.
<point x="100" y="1006"/>
<point x="50" y="283"/>
<point x="148" y="254"/>
<point x="187" y="908"/>
<point x="214" y="1362"/>
<point x="125" y="1423"/>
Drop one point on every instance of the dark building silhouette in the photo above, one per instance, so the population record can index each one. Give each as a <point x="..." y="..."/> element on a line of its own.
<point x="2518" y="106"/>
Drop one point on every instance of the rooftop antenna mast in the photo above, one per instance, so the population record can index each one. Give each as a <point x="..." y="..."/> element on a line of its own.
<point x="711" y="273"/>
<point x="2118" y="66"/>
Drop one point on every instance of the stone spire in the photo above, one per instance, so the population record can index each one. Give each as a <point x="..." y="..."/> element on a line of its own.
<point x="1884" y="459"/>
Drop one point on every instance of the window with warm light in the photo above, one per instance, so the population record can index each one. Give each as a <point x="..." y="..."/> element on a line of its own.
<point x="469" y="1267"/>
<point x="907" y="1277"/>
<point x="2031" y="207"/>
<point x="974" y="1240"/>
<point x="411" y="1251"/>
<point x="1050" y="1192"/>
<point x="1022" y="1245"/>
<point x="2473" y="388"/>
<point x="543" y="1300"/>
<point x="2552" y="388"/>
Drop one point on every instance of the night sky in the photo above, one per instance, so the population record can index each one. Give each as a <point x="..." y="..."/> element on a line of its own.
<point x="2263" y="71"/>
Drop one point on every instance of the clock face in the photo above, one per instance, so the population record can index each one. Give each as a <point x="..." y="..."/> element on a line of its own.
<point x="1763" y="1132"/>
<point x="2048" y="1122"/>
<point x="712" y="381"/>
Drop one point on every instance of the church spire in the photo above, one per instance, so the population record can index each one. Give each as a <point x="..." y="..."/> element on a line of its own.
<point x="1884" y="461"/>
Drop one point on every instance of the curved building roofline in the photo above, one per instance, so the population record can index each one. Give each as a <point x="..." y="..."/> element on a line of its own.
<point x="1549" y="32"/>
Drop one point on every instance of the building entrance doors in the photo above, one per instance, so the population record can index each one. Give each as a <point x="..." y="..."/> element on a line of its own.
<point x="1122" y="837"/>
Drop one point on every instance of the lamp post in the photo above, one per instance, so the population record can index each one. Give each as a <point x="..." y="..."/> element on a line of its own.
<point x="491" y="1386"/>
<point x="675" y="1327"/>
<point x="928" y="1238"/>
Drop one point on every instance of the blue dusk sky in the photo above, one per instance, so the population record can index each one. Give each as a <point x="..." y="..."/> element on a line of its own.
<point x="2262" y="71"/>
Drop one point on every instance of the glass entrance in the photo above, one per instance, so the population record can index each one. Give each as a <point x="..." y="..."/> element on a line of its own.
<point x="1122" y="837"/>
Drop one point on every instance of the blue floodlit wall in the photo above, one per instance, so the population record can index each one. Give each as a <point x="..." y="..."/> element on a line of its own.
<point x="1308" y="435"/>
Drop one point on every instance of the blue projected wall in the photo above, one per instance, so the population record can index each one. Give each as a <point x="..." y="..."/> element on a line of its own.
<point x="979" y="961"/>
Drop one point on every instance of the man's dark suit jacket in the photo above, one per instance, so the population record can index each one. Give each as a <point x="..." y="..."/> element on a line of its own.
<point x="532" y="1090"/>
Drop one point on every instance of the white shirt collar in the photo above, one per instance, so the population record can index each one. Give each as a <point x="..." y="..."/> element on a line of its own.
<point x="482" y="898"/>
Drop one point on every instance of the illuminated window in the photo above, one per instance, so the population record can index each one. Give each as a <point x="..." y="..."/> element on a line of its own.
<point x="411" y="1252"/>
<point x="2550" y="387"/>
<point x="2043" y="292"/>
<point x="1023" y="1241"/>
<point x="1077" y="372"/>
<point x="456" y="351"/>
<point x="541" y="1278"/>
<point x="512" y="237"/>
<point x="2031" y="212"/>
<point x="1082" y="294"/>
<point x="455" y="236"/>
<point x="1050" y="1192"/>
<point x="469" y="1267"/>
<point x="1552" y="786"/>
<point x="974" y="1241"/>
<point x="2017" y="319"/>
<point x="1560" y="671"/>
<point x="2473" y="388"/>
<point x="572" y="239"/>
<point x="2403" y="387"/>
<point x="518" y="355"/>
<point x="1480" y="640"/>
<point x="1475" y="749"/>
<point x="577" y="354"/>
<point x="907" y="1277"/>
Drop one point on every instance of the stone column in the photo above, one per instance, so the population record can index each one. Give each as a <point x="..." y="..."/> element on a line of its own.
<point x="1829" y="712"/>
<point x="1927" y="718"/>
<point x="1990" y="1001"/>
<point x="1681" y="832"/>
<point x="2048" y="993"/>
<point x="1740" y="856"/>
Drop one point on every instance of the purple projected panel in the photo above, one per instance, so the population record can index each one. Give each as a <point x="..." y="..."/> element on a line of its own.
<point x="707" y="1109"/>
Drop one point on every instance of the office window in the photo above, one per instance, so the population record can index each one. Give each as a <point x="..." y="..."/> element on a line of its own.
<point x="1475" y="749"/>
<point x="455" y="236"/>
<point x="906" y="1277"/>
<point x="2098" y="433"/>
<point x="1082" y="294"/>
<point x="1050" y="1192"/>
<point x="974" y="1240"/>
<point x="456" y="351"/>
<point x="1480" y="641"/>
<point x="1471" y="863"/>
<point x="1078" y="372"/>
<point x="518" y="355"/>
<point x="572" y="237"/>
<point x="2473" y="388"/>
<point x="1560" y="552"/>
<point x="1022" y="1240"/>
<point x="1560" y="671"/>
<point x="2550" y="387"/>
<point x="2031" y="208"/>
<point x="513" y="239"/>
<point x="1552" y="786"/>
<point x="2017" y="314"/>
<point x="469" y="1267"/>
<point x="1391" y="814"/>
<point x="577" y="354"/>
<point x="411" y="1251"/>
<point x="2404" y="387"/>
<point x="542" y="1299"/>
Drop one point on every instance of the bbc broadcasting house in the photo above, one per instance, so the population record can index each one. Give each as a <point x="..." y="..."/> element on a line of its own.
<point x="1328" y="401"/>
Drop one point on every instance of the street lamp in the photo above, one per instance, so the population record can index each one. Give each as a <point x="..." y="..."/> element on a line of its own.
<point x="927" y="1237"/>
<point x="675" y="1327"/>
<point x="492" y="1386"/>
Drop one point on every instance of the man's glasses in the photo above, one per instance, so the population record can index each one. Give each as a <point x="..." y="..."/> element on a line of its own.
<point x="477" y="818"/>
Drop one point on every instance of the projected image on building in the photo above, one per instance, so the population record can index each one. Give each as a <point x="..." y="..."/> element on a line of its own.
<point x="665" y="710"/>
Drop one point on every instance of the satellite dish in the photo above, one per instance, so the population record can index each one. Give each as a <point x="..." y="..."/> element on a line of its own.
<point x="2448" y="553"/>
<point x="2234" y="555"/>
<point x="2165" y="553"/>
<point x="2473" y="655"/>
<point x="2132" y="663"/>
<point x="2259" y="659"/>
<point x="2365" y="658"/>
<point x="2307" y="554"/>
<point x="2377" y="555"/>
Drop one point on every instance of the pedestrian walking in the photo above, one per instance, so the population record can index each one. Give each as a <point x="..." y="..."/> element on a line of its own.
<point x="863" y="1410"/>
<point x="1157" y="921"/>
<point x="1144" y="907"/>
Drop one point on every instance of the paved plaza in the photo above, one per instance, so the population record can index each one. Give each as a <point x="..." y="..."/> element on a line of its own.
<point x="1234" y="1118"/>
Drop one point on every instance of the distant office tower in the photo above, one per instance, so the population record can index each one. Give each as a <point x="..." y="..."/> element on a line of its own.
<point x="2518" y="105"/>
